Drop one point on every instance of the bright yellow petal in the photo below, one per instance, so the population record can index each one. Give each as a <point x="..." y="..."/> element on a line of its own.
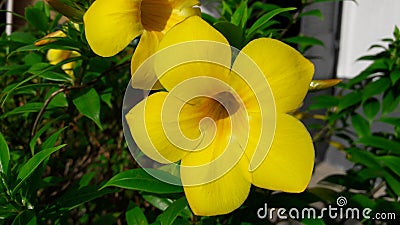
<point x="147" y="46"/>
<point x="146" y="126"/>
<point x="192" y="40"/>
<point x="288" y="73"/>
<point x="57" y="55"/>
<point x="221" y="196"/>
<point x="111" y="25"/>
<point x="217" y="173"/>
<point x="289" y="163"/>
<point x="161" y="15"/>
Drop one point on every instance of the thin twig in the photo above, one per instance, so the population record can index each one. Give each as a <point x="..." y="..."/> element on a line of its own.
<point x="65" y="89"/>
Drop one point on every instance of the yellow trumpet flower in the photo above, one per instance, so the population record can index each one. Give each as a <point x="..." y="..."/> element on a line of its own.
<point x="228" y="127"/>
<point x="111" y="25"/>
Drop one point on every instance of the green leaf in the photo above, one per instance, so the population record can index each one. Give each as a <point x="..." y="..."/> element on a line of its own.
<point x="313" y="12"/>
<point x="51" y="141"/>
<point x="27" y="108"/>
<point x="381" y="143"/>
<point x="239" y="17"/>
<point x="135" y="216"/>
<point x="88" y="104"/>
<point x="32" y="143"/>
<point x="169" y="216"/>
<point x="54" y="76"/>
<point x="392" y="182"/>
<point x="349" y="100"/>
<point x="304" y="42"/>
<point x="26" y="217"/>
<point x="77" y="196"/>
<point x="371" y="108"/>
<point x="4" y="155"/>
<point x="265" y="19"/>
<point x="395" y="121"/>
<point x="37" y="18"/>
<point x="158" y="202"/>
<point x="323" y="102"/>
<point x="361" y="125"/>
<point x="392" y="162"/>
<point x="313" y="222"/>
<point x="395" y="76"/>
<point x="363" y="157"/>
<point x="378" y="65"/>
<point x="375" y="88"/>
<point x="390" y="102"/>
<point x="233" y="33"/>
<point x="29" y="167"/>
<point x="139" y="179"/>
<point x="22" y="37"/>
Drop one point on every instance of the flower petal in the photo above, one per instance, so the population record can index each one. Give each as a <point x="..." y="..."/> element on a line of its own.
<point x="288" y="73"/>
<point x="221" y="196"/>
<point x="111" y="26"/>
<point x="192" y="40"/>
<point x="147" y="46"/>
<point x="145" y="124"/>
<point x="218" y="173"/>
<point x="161" y="15"/>
<point x="289" y="163"/>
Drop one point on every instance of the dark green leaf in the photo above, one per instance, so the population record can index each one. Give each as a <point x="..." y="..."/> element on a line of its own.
<point x="377" y="66"/>
<point x="313" y="222"/>
<point x="371" y="108"/>
<point x="139" y="179"/>
<point x="29" y="167"/>
<point x="362" y="201"/>
<point x="361" y="125"/>
<point x="27" y="108"/>
<point x="88" y="104"/>
<point x="37" y="18"/>
<point x="313" y="12"/>
<point x="395" y="76"/>
<point x="4" y="155"/>
<point x="51" y="141"/>
<point x="158" y="202"/>
<point x="349" y="100"/>
<point x="22" y="37"/>
<point x="265" y="19"/>
<point x="323" y="102"/>
<point x="239" y="17"/>
<point x="304" y="42"/>
<point x="32" y="143"/>
<point x="390" y="102"/>
<point x="392" y="162"/>
<point x="233" y="33"/>
<point x="381" y="143"/>
<point x="55" y="76"/>
<point x="392" y="182"/>
<point x="375" y="88"/>
<point x="77" y="196"/>
<point x="362" y="157"/>
<point x="26" y="217"/>
<point x="135" y="216"/>
<point x="395" y="121"/>
<point x="168" y="217"/>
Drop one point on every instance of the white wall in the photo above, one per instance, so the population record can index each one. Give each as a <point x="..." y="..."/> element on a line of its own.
<point x="364" y="23"/>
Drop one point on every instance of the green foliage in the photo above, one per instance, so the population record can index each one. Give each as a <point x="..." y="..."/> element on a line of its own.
<point x="363" y="105"/>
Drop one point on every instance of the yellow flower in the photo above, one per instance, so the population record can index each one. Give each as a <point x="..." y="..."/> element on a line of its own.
<point x="111" y="25"/>
<point x="229" y="124"/>
<point x="56" y="56"/>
